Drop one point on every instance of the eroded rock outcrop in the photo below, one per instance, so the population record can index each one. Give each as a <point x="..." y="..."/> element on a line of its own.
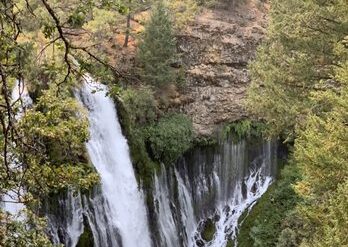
<point x="216" y="49"/>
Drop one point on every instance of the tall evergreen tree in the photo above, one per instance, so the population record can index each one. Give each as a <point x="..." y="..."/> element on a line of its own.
<point x="297" y="59"/>
<point x="300" y="85"/>
<point x="157" y="49"/>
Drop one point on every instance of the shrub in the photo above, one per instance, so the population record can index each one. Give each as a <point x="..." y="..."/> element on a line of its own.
<point x="184" y="11"/>
<point x="169" y="138"/>
<point x="244" y="128"/>
<point x="140" y="104"/>
<point x="102" y="24"/>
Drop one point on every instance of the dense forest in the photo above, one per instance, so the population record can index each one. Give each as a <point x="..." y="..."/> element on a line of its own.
<point x="300" y="89"/>
<point x="295" y="94"/>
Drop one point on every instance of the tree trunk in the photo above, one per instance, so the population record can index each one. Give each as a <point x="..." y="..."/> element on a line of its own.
<point x="127" y="31"/>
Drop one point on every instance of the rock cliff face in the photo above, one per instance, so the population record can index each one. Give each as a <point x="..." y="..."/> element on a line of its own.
<point x="216" y="49"/>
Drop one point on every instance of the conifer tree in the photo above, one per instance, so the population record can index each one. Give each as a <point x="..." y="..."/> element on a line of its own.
<point x="300" y="87"/>
<point x="157" y="49"/>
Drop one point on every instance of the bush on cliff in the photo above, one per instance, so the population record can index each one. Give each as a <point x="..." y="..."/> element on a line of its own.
<point x="169" y="138"/>
<point x="141" y="105"/>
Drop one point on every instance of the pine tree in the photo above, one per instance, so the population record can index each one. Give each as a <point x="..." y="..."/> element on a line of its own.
<point x="157" y="49"/>
<point x="297" y="59"/>
<point x="300" y="86"/>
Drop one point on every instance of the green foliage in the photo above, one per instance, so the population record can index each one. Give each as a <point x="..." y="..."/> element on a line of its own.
<point x="54" y="149"/>
<point x="300" y="87"/>
<point x="263" y="225"/>
<point x="209" y="230"/>
<point x="102" y="23"/>
<point x="23" y="233"/>
<point x="298" y="57"/>
<point x="244" y="129"/>
<point x="287" y="238"/>
<point x="44" y="151"/>
<point x="322" y="153"/>
<point x="184" y="11"/>
<point x="141" y="105"/>
<point x="77" y="18"/>
<point x="335" y="227"/>
<point x="157" y="49"/>
<point x="170" y="137"/>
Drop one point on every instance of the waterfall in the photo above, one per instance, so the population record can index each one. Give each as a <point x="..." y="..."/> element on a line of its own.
<point x="186" y="206"/>
<point x="70" y="226"/>
<point x="74" y="227"/>
<point x="166" y="222"/>
<point x="255" y="185"/>
<point x="248" y="187"/>
<point x="21" y="100"/>
<point x="214" y="183"/>
<point x="97" y="212"/>
<point x="121" y="200"/>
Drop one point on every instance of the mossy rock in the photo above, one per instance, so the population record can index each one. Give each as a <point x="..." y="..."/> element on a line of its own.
<point x="270" y="211"/>
<point x="230" y="243"/>
<point x="203" y="141"/>
<point x="86" y="238"/>
<point x="143" y="165"/>
<point x="242" y="129"/>
<point x="208" y="230"/>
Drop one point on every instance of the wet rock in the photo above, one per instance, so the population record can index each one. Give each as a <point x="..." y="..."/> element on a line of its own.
<point x="200" y="243"/>
<point x="216" y="218"/>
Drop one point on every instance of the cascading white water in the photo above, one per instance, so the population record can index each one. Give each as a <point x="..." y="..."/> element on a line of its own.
<point x="73" y="220"/>
<point x="220" y="185"/>
<point x="227" y="225"/>
<point x="21" y="100"/>
<point x="10" y="204"/>
<point x="248" y="188"/>
<point x="166" y="223"/>
<point x="108" y="151"/>
<point x="186" y="207"/>
<point x="74" y="224"/>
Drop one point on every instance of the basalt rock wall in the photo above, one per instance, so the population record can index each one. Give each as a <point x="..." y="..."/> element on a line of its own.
<point x="216" y="50"/>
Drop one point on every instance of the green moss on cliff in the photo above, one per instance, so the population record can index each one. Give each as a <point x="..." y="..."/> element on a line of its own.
<point x="86" y="238"/>
<point x="243" y="129"/>
<point x="230" y="243"/>
<point x="263" y="225"/>
<point x="142" y="163"/>
<point x="204" y="141"/>
<point x="169" y="138"/>
<point x="209" y="230"/>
